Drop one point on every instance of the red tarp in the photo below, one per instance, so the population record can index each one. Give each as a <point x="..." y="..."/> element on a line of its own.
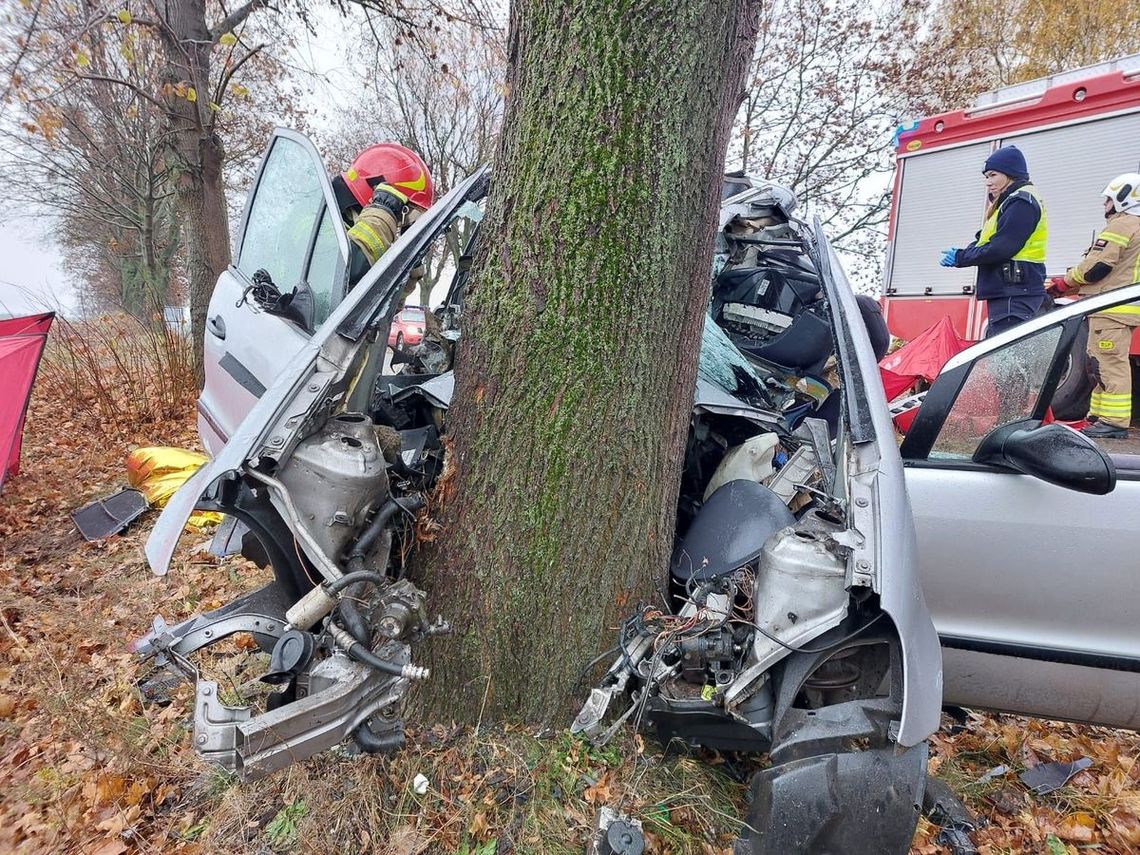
<point x="22" y="342"/>
<point x="27" y="324"/>
<point x="922" y="356"/>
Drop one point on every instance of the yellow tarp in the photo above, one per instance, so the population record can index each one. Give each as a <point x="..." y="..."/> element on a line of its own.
<point x="159" y="471"/>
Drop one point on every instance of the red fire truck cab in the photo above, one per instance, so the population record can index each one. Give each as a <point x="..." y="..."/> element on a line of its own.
<point x="1078" y="130"/>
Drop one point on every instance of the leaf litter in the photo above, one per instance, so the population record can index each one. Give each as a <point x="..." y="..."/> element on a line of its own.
<point x="87" y="767"/>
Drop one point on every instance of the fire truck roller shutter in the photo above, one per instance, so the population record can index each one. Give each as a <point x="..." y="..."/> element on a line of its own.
<point x="1069" y="167"/>
<point x="941" y="203"/>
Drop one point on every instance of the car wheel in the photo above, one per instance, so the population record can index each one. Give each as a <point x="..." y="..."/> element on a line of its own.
<point x="399" y="341"/>
<point x="1071" y="400"/>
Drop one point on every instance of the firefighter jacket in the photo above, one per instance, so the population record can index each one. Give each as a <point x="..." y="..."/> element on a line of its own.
<point x="1112" y="261"/>
<point x="1009" y="250"/>
<point x="374" y="231"/>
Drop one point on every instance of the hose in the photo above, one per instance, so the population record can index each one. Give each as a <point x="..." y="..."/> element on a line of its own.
<point x="338" y="585"/>
<point x="370" y="743"/>
<point x="363" y="655"/>
<point x="368" y="538"/>
<point x="354" y="621"/>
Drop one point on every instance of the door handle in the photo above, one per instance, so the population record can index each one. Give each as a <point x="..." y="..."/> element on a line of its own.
<point x="217" y="326"/>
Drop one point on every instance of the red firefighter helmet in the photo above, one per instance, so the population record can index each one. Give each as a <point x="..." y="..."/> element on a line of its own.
<point x="392" y="164"/>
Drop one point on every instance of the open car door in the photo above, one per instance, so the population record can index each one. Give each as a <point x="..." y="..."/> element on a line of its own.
<point x="1028" y="532"/>
<point x="288" y="274"/>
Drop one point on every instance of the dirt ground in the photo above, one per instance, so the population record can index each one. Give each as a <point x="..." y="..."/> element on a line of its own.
<point x="86" y="767"/>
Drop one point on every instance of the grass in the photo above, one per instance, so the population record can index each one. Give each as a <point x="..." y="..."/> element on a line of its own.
<point x="119" y="372"/>
<point x="85" y="767"/>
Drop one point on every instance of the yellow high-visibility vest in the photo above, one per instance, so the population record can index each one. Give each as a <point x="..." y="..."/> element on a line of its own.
<point x="1034" y="248"/>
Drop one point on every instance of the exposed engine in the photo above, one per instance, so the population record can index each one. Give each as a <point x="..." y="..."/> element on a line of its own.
<point x="340" y="655"/>
<point x="767" y="613"/>
<point x="749" y="584"/>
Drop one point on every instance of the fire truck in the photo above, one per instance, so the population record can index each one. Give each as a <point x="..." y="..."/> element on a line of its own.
<point x="1078" y="130"/>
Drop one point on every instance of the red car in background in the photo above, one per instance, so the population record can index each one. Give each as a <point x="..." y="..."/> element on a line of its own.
<point x="407" y="327"/>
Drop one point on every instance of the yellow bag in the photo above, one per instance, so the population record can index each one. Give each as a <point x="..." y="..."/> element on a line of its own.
<point x="158" y="472"/>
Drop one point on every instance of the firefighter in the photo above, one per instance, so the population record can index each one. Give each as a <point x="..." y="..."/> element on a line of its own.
<point x="382" y="192"/>
<point x="1009" y="251"/>
<point x="1112" y="261"/>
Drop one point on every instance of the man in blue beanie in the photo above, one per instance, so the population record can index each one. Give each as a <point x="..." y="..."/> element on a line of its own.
<point x="1009" y="251"/>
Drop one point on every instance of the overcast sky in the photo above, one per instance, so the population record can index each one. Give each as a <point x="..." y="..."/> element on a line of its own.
<point x="30" y="277"/>
<point x="33" y="273"/>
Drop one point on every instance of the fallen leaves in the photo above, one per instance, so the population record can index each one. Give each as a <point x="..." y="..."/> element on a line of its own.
<point x="1125" y="826"/>
<point x="1078" y="827"/>
<point x="1098" y="808"/>
<point x="85" y="767"/>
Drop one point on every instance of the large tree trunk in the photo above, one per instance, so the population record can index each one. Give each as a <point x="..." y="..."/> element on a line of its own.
<point x="198" y="156"/>
<point x="575" y="377"/>
<point x="205" y="228"/>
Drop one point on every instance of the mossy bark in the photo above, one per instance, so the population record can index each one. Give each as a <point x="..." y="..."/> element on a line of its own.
<point x="574" y="380"/>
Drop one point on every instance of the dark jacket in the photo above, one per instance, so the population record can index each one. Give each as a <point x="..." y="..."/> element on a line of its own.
<point x="876" y="327"/>
<point x="1015" y="224"/>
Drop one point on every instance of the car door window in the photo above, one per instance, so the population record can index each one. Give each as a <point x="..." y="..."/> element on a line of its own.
<point x="283" y="217"/>
<point x="322" y="273"/>
<point x="1002" y="387"/>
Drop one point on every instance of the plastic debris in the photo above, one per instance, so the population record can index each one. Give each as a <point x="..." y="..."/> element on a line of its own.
<point x="1048" y="777"/>
<point x="995" y="772"/>
<point x="616" y="834"/>
<point x="109" y="515"/>
<point x="956" y="822"/>
<point x="420" y="785"/>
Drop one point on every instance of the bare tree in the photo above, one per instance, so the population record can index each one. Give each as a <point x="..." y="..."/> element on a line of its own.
<point x="90" y="147"/>
<point x="971" y="46"/>
<point x="820" y="108"/>
<point x="88" y="157"/>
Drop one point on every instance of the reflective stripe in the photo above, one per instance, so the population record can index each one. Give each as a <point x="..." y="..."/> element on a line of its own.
<point x="403" y="197"/>
<point x="1034" y="248"/>
<point x="373" y="244"/>
<point x="1115" y="402"/>
<point x="1119" y="240"/>
<point x="1126" y="309"/>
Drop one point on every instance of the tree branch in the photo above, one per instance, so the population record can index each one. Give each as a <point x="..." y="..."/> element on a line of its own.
<point x="225" y="79"/>
<point x="235" y="19"/>
<point x="100" y="78"/>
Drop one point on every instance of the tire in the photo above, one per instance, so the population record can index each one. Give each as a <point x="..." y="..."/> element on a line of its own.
<point x="399" y="341"/>
<point x="1071" y="400"/>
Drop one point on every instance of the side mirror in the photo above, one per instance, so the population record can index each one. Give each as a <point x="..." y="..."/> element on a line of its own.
<point x="1053" y="453"/>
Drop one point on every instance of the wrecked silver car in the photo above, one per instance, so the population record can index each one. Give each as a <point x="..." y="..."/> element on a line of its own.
<point x="794" y="624"/>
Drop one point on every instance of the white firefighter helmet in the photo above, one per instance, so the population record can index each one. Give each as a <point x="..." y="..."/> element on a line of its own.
<point x="1124" y="192"/>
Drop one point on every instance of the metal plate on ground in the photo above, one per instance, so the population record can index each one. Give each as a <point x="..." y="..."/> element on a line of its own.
<point x="109" y="515"/>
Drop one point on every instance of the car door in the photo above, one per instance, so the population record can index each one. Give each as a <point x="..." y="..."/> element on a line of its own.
<point x="1032" y="587"/>
<point x="291" y="229"/>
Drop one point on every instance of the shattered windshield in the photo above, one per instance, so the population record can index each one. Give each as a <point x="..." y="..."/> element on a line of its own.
<point x="723" y="365"/>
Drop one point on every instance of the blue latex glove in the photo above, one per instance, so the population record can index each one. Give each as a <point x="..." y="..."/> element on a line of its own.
<point x="949" y="257"/>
